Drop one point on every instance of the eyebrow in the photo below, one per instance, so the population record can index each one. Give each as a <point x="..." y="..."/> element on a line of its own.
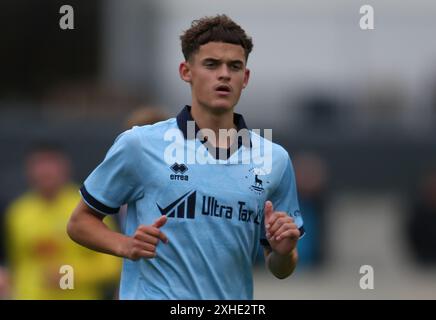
<point x="218" y="60"/>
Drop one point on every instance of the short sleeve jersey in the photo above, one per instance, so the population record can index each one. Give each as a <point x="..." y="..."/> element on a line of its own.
<point x="214" y="205"/>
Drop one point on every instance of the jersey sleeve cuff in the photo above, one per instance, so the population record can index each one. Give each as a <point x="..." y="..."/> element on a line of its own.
<point x="264" y="243"/>
<point x="302" y="232"/>
<point x="95" y="204"/>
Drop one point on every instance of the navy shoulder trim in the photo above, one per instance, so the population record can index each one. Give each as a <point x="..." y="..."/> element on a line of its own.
<point x="95" y="204"/>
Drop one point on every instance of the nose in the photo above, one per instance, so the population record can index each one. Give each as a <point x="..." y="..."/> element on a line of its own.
<point x="224" y="72"/>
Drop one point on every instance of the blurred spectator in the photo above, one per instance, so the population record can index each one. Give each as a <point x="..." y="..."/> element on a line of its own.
<point x="383" y="102"/>
<point x="2" y="235"/>
<point x="421" y="222"/>
<point x="37" y="243"/>
<point x="320" y="110"/>
<point x="144" y="115"/>
<point x="4" y="276"/>
<point x="4" y="283"/>
<point x="311" y="176"/>
<point x="90" y="99"/>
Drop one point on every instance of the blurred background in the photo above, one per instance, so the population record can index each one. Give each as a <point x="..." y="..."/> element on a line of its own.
<point x="355" y="109"/>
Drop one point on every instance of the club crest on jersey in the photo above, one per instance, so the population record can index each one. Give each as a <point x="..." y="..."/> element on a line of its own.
<point x="258" y="180"/>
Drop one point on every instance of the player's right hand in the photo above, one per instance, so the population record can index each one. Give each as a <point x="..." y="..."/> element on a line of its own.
<point x="143" y="243"/>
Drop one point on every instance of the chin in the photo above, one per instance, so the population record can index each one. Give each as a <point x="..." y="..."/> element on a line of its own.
<point x="222" y="106"/>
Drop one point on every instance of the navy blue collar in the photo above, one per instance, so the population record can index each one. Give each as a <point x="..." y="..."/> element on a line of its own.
<point x="185" y="115"/>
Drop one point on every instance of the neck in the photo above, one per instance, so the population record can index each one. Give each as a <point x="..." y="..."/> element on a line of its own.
<point x="206" y="119"/>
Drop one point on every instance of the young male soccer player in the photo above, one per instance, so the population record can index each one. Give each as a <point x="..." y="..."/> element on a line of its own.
<point x="193" y="229"/>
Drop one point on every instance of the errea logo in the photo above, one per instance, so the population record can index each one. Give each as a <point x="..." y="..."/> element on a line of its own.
<point x="179" y="168"/>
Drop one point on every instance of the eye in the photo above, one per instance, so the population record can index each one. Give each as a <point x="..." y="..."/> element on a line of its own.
<point x="209" y="64"/>
<point x="236" y="67"/>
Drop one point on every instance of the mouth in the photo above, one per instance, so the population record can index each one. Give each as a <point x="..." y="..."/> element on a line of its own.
<point x="223" y="89"/>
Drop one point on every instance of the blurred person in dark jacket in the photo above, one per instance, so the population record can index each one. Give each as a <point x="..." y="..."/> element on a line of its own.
<point x="312" y="176"/>
<point x="421" y="222"/>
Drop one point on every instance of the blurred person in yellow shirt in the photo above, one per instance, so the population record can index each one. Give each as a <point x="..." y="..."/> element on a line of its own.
<point x="37" y="244"/>
<point x="4" y="283"/>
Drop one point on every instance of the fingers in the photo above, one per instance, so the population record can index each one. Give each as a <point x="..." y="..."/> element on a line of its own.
<point x="270" y="215"/>
<point x="141" y="246"/>
<point x="154" y="232"/>
<point x="287" y="225"/>
<point x="278" y="221"/>
<point x="158" y="234"/>
<point x="268" y="212"/>
<point x="140" y="249"/>
<point x="277" y="224"/>
<point x="163" y="237"/>
<point x="144" y="254"/>
<point x="145" y="239"/>
<point x="160" y="222"/>
<point x="289" y="233"/>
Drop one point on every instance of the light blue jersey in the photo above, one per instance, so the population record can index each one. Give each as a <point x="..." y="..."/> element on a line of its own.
<point x="215" y="211"/>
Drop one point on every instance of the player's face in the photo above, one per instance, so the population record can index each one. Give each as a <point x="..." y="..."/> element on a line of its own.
<point x="217" y="74"/>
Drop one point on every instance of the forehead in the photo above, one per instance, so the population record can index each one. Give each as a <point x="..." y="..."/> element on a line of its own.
<point x="221" y="51"/>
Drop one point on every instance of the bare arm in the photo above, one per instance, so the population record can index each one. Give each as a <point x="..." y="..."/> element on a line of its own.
<point x="86" y="227"/>
<point x="282" y="234"/>
<point x="282" y="266"/>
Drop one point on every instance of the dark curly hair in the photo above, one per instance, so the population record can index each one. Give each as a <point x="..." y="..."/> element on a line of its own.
<point x="219" y="28"/>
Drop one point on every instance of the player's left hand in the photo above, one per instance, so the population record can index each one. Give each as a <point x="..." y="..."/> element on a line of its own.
<point x="281" y="231"/>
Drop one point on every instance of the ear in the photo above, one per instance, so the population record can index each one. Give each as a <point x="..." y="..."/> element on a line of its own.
<point x="246" y="77"/>
<point x="185" y="72"/>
